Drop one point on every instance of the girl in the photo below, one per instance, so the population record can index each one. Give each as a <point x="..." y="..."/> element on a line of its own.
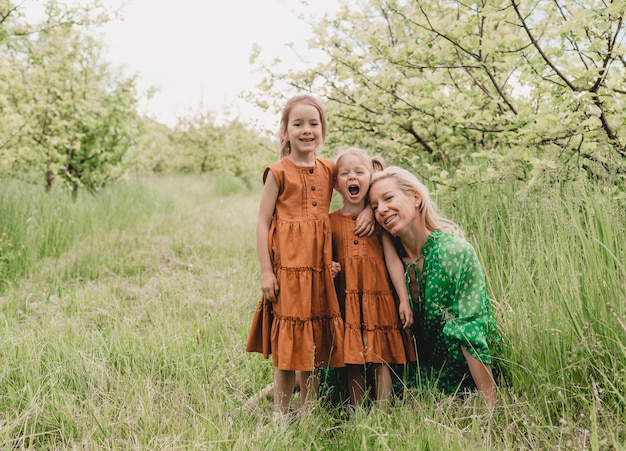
<point x="375" y="325"/>
<point x="298" y="319"/>
<point x="455" y="328"/>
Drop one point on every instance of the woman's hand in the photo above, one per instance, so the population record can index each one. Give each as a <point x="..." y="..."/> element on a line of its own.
<point x="365" y="222"/>
<point x="335" y="269"/>
<point x="406" y="315"/>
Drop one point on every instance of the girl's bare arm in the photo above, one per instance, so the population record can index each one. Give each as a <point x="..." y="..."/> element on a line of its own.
<point x="269" y="284"/>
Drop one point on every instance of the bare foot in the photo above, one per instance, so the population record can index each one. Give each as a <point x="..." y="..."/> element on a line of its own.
<point x="267" y="394"/>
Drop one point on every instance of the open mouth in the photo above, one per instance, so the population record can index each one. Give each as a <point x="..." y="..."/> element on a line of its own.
<point x="354" y="190"/>
<point x="389" y="219"/>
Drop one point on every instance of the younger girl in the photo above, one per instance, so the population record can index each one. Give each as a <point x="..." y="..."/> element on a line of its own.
<point x="298" y="319"/>
<point x="375" y="325"/>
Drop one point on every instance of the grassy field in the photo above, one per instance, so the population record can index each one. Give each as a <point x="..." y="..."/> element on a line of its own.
<point x="124" y="317"/>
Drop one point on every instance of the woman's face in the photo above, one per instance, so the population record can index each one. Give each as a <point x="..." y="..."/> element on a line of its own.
<point x="394" y="209"/>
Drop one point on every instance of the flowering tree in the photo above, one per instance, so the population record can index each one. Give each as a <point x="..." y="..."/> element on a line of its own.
<point x="496" y="88"/>
<point x="70" y="116"/>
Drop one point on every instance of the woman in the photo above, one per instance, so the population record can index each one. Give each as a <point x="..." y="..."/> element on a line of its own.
<point x="454" y="326"/>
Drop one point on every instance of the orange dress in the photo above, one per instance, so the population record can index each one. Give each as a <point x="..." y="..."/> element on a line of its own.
<point x="373" y="330"/>
<point x="304" y="324"/>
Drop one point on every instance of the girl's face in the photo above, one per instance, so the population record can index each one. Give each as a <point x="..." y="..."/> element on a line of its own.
<point x="394" y="209"/>
<point x="353" y="179"/>
<point x="304" y="129"/>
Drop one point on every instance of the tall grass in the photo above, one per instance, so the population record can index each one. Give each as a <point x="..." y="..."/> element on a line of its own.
<point x="125" y="324"/>
<point x="36" y="226"/>
<point x="556" y="261"/>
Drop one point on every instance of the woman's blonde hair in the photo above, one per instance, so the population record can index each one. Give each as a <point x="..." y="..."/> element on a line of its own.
<point x="408" y="183"/>
<point x="307" y="99"/>
<point x="372" y="163"/>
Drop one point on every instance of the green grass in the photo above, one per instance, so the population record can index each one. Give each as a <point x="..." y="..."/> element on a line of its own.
<point x="124" y="318"/>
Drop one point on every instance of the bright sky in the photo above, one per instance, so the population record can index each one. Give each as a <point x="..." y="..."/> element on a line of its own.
<point x="197" y="51"/>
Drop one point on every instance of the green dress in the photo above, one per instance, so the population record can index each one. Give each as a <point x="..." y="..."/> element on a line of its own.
<point x="451" y="309"/>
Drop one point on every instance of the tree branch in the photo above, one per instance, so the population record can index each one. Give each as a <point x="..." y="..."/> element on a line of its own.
<point x="540" y="50"/>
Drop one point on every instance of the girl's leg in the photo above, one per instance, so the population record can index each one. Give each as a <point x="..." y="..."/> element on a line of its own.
<point x="267" y="394"/>
<point x="296" y="386"/>
<point x="356" y="383"/>
<point x="284" y="381"/>
<point x="384" y="387"/>
<point x="309" y="386"/>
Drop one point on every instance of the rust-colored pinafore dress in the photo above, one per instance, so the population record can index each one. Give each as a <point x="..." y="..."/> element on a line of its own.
<point x="303" y="329"/>
<point x="373" y="331"/>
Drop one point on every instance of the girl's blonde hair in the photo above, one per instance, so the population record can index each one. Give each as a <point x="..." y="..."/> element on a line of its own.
<point x="408" y="183"/>
<point x="307" y="99"/>
<point x="372" y="163"/>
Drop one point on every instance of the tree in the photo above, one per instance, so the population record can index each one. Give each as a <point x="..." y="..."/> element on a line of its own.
<point x="525" y="88"/>
<point x="246" y="153"/>
<point x="154" y="151"/>
<point x="73" y="116"/>
<point x="229" y="148"/>
<point x="199" y="139"/>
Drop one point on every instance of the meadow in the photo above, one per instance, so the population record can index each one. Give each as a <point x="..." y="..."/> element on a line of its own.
<point x="124" y="316"/>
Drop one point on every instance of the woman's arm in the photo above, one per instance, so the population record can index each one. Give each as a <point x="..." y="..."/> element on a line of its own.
<point x="365" y="222"/>
<point x="483" y="378"/>
<point x="474" y="326"/>
<point x="395" y="268"/>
